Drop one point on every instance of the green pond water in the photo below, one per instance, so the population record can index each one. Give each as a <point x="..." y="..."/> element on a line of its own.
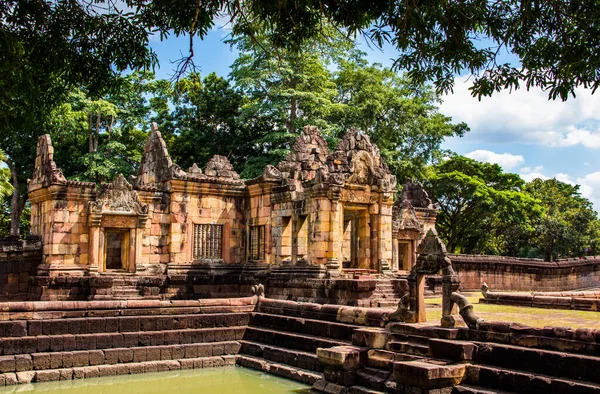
<point x="228" y="380"/>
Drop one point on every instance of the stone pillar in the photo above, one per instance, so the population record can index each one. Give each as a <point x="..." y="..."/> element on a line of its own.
<point x="336" y="239"/>
<point x="133" y="246"/>
<point x="94" y="248"/>
<point x="101" y="256"/>
<point x="385" y="232"/>
<point x="364" y="243"/>
<point x="421" y="312"/>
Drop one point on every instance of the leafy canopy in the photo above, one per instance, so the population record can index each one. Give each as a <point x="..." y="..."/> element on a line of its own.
<point x="478" y="201"/>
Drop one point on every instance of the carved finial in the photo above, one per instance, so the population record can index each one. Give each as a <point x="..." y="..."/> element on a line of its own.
<point x="45" y="173"/>
<point x="220" y="167"/>
<point x="271" y="173"/>
<point x="157" y="165"/>
<point x="418" y="197"/>
<point x="258" y="290"/>
<point x="194" y="170"/>
<point x="431" y="244"/>
<point x="484" y="289"/>
<point x="402" y="312"/>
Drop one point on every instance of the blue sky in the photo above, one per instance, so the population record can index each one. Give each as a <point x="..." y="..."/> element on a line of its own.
<point x="522" y="131"/>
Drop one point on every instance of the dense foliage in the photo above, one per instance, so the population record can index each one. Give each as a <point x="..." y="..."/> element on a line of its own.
<point x="484" y="210"/>
<point x="61" y="65"/>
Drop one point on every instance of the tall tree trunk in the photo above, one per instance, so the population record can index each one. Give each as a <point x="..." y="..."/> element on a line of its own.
<point x="17" y="203"/>
<point x="90" y="134"/>
<point x="293" y="109"/>
<point x="97" y="131"/>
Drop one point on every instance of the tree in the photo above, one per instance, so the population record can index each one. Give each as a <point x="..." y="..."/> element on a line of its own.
<point x="554" y="41"/>
<point x="478" y="201"/>
<point x="404" y="122"/>
<point x="95" y="140"/>
<point x="569" y="226"/>
<point x="208" y="120"/>
<point x="6" y="188"/>
<point x="48" y="47"/>
<point x="288" y="89"/>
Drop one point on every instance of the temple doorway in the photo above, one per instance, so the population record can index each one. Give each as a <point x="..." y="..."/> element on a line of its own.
<point x="350" y="244"/>
<point x="300" y="240"/>
<point x="356" y="240"/>
<point x="404" y="256"/>
<point x="116" y="249"/>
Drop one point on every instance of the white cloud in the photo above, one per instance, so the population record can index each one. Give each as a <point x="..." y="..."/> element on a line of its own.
<point x="590" y="188"/>
<point x="575" y="135"/>
<point x="505" y="160"/>
<point x="527" y="116"/>
<point x="529" y="170"/>
<point x="530" y="176"/>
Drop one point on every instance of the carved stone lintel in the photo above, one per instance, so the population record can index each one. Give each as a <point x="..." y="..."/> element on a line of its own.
<point x="117" y="205"/>
<point x="118" y="196"/>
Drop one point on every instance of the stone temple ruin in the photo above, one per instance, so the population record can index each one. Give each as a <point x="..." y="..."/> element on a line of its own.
<point x="155" y="273"/>
<point x="318" y="215"/>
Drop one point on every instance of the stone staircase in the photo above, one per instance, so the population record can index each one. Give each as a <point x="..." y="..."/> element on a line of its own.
<point x="123" y="286"/>
<point x="47" y="341"/>
<point x="286" y="345"/>
<point x="424" y="359"/>
<point x="336" y="349"/>
<point x="385" y="294"/>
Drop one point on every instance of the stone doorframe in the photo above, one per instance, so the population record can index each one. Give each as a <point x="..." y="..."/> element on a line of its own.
<point x="100" y="225"/>
<point x="117" y="208"/>
<point x="366" y="248"/>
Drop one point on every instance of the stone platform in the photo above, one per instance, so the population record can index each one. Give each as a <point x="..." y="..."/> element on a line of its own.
<point x="223" y="281"/>
<point x="336" y="349"/>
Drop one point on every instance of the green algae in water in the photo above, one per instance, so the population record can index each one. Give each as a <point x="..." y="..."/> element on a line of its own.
<point x="227" y="380"/>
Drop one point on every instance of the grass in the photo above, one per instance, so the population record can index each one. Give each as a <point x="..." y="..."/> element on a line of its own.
<point x="534" y="317"/>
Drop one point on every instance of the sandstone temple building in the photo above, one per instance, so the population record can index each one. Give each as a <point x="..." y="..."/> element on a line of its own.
<point x="327" y="213"/>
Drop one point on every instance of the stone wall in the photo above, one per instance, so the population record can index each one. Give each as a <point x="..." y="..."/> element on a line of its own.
<point x="519" y="274"/>
<point x="166" y="217"/>
<point x="18" y="261"/>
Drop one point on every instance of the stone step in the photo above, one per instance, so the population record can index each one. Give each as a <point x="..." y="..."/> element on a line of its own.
<point x="304" y="342"/>
<point x="24" y="377"/>
<point x="385" y="303"/>
<point x="84" y="358"/>
<point x="408" y="347"/>
<point x="429" y="373"/>
<point x="285" y="371"/>
<point x="410" y="338"/>
<point x="303" y="326"/>
<point x="384" y="359"/>
<point x="293" y="358"/>
<point x="372" y="378"/>
<point x="580" y="341"/>
<point x="363" y="390"/>
<point x="70" y="342"/>
<point x="547" y="362"/>
<point x="89" y="325"/>
<point x="424" y="330"/>
<point x="468" y="389"/>
<point x="523" y="382"/>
